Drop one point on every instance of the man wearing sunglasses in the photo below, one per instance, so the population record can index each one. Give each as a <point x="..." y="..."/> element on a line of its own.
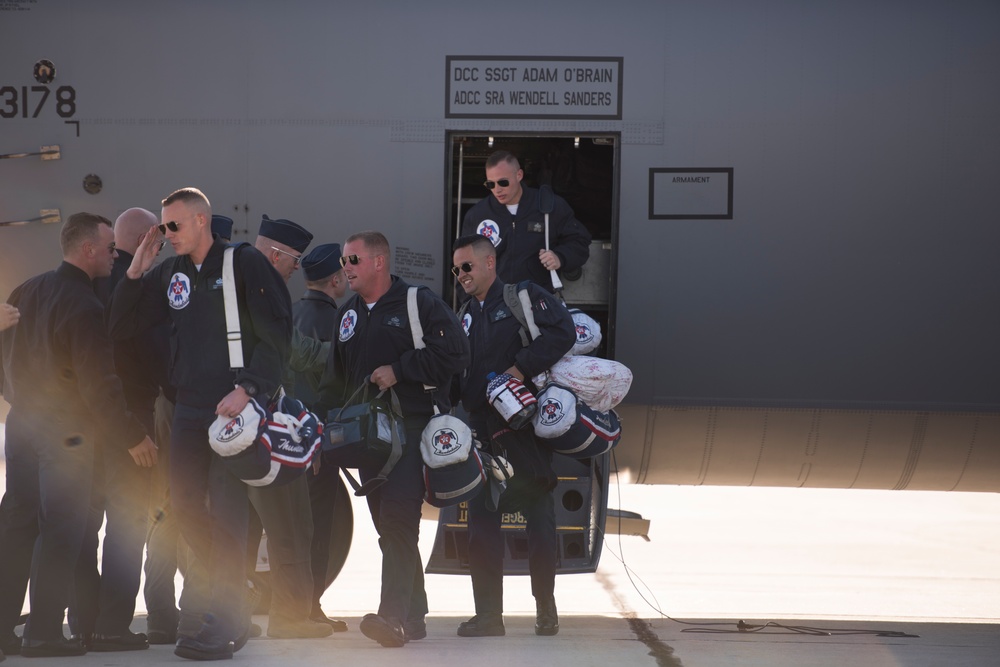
<point x="497" y="347"/>
<point x="511" y="219"/>
<point x="374" y="341"/>
<point x="210" y="502"/>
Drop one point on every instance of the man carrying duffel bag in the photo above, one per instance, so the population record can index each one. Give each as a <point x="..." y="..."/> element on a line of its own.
<point x="374" y="345"/>
<point x="498" y="395"/>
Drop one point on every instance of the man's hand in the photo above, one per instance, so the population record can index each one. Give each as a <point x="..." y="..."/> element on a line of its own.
<point x="549" y="260"/>
<point x="145" y="254"/>
<point x="233" y="403"/>
<point x="144" y="454"/>
<point x="384" y="377"/>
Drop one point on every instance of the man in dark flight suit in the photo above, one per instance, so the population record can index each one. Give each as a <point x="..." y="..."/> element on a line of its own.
<point x="9" y="316"/>
<point x="211" y="503"/>
<point x="284" y="511"/>
<point x="511" y="219"/>
<point x="315" y="315"/>
<point x="163" y="543"/>
<point x="58" y="375"/>
<point x="374" y="341"/>
<point x="103" y="603"/>
<point x="497" y="348"/>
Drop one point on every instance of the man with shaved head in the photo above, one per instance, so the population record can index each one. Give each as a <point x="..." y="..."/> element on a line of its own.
<point x="103" y="603"/>
<point x="511" y="218"/>
<point x="210" y="502"/>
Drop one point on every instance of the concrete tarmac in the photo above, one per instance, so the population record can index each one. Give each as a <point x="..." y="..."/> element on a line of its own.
<point x="884" y="564"/>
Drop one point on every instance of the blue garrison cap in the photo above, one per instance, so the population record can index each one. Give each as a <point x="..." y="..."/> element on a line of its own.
<point x="322" y="261"/>
<point x="287" y="232"/>
<point x="222" y="226"/>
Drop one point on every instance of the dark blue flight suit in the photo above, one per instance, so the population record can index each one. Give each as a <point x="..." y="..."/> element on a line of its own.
<point x="519" y="238"/>
<point x="58" y="376"/>
<point x="104" y="602"/>
<point x="496" y="345"/>
<point x="192" y="299"/>
<point x="315" y="315"/>
<point x="365" y="341"/>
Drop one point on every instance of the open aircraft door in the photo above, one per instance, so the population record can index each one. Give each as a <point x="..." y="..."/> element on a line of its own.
<point x="583" y="170"/>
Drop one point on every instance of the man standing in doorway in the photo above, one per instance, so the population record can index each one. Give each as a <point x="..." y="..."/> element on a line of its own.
<point x="512" y="220"/>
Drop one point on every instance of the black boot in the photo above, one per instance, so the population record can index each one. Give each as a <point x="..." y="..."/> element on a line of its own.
<point x="546" y="617"/>
<point x="483" y="625"/>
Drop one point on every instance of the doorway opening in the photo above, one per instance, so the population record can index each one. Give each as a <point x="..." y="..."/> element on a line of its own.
<point x="583" y="169"/>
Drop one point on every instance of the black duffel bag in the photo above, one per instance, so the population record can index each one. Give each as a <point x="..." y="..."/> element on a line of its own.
<point x="365" y="433"/>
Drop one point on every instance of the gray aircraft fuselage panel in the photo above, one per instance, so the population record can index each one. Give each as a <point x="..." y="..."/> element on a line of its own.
<point x="793" y="204"/>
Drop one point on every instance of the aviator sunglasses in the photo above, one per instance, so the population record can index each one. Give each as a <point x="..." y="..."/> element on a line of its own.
<point x="464" y="266"/>
<point x="353" y="259"/>
<point x="502" y="182"/>
<point x="172" y="226"/>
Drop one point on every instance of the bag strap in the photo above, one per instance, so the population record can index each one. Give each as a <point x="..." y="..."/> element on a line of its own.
<point x="417" y="330"/>
<point x="398" y="436"/>
<point x="353" y="480"/>
<point x="234" y="335"/>
<point x="517" y="299"/>
<point x="364" y="397"/>
<point x="463" y="309"/>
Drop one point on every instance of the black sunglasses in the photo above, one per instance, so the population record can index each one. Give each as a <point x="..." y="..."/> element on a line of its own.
<point x="503" y="182"/>
<point x="464" y="266"/>
<point x="172" y="226"/>
<point x="353" y="259"/>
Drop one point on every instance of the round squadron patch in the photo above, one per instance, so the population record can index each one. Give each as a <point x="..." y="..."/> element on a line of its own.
<point x="550" y="412"/>
<point x="179" y="291"/>
<point x="584" y="335"/>
<point x="445" y="442"/>
<point x="490" y="230"/>
<point x="347" y="324"/>
<point x="466" y="322"/>
<point x="232" y="429"/>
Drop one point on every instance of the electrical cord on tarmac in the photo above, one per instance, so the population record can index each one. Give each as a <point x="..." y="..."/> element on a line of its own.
<point x="740" y="627"/>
